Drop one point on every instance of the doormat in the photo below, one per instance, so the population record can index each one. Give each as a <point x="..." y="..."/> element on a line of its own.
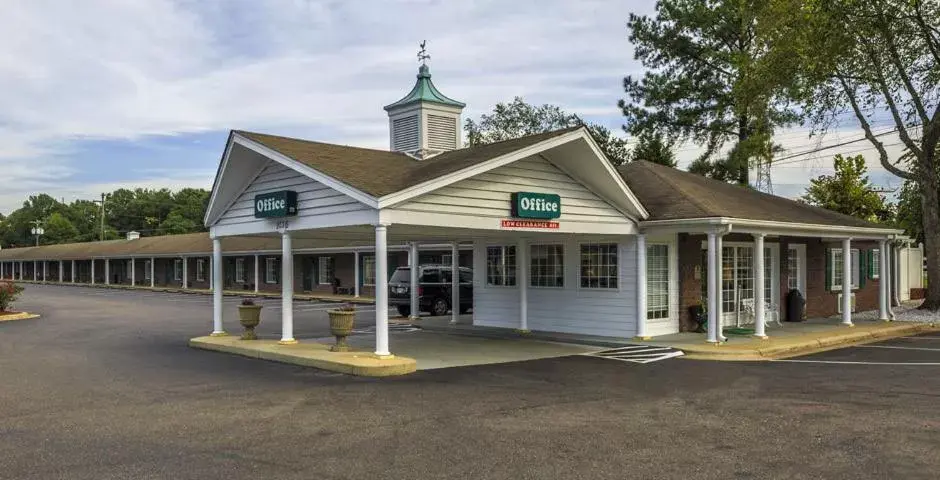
<point x="738" y="331"/>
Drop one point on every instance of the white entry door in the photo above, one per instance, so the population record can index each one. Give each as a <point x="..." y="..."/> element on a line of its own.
<point x="737" y="283"/>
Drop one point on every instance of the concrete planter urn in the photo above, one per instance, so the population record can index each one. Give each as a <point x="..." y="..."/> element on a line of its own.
<point x="341" y="325"/>
<point x="249" y="315"/>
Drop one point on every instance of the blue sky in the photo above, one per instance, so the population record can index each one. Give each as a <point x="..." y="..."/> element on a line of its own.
<point x="100" y="94"/>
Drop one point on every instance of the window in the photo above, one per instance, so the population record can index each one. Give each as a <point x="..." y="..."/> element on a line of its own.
<point x="836" y="270"/>
<point x="466" y="276"/>
<point x="599" y="265"/>
<point x="368" y="270"/>
<point x="447" y="259"/>
<point x="501" y="266"/>
<point x="239" y="270"/>
<point x="270" y="270"/>
<point x="200" y="270"/>
<point x="178" y="269"/>
<point x="657" y="281"/>
<point x="325" y="270"/>
<point x="431" y="275"/>
<point x="548" y="266"/>
<point x="793" y="269"/>
<point x="876" y="263"/>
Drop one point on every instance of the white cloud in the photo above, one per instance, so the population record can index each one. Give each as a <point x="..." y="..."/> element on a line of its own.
<point x="119" y="70"/>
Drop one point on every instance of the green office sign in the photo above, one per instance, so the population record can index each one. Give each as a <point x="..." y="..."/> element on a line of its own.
<point x="536" y="205"/>
<point x="276" y="204"/>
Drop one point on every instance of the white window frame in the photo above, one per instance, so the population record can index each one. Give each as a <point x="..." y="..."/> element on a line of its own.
<point x="876" y="264"/>
<point x="670" y="251"/>
<point x="800" y="249"/>
<point x="837" y="267"/>
<point x="324" y="266"/>
<point x="366" y="260"/>
<point x="507" y="269"/>
<point x="240" y="270"/>
<point x="616" y="272"/>
<point x="531" y="265"/>
<point x="146" y="269"/>
<point x="270" y="270"/>
<point x="200" y="270"/>
<point x="178" y="269"/>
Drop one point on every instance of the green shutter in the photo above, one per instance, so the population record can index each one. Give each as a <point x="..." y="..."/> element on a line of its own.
<point x="863" y="264"/>
<point x="828" y="269"/>
<point x="871" y="263"/>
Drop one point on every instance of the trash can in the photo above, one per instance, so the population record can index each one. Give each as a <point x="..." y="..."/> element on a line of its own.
<point x="795" y="306"/>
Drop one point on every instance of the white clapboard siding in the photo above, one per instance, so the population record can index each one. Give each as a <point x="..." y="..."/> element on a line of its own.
<point x="313" y="198"/>
<point x="488" y="194"/>
<point x="572" y="309"/>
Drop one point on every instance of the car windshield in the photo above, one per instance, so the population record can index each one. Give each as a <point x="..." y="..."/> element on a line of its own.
<point x="401" y="275"/>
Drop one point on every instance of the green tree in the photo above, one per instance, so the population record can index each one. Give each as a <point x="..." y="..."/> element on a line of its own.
<point x="910" y="214"/>
<point x="58" y="229"/>
<point x="176" y="223"/>
<point x="695" y="52"/>
<point x="879" y="60"/>
<point x="848" y="191"/>
<point x="654" y="148"/>
<point x="518" y="118"/>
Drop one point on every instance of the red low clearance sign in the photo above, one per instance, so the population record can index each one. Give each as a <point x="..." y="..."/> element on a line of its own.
<point x="507" y="223"/>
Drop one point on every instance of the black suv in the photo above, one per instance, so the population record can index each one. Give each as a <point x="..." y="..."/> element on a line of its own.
<point x="434" y="289"/>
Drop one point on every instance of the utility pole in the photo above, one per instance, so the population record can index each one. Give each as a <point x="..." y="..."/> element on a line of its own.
<point x="103" y="196"/>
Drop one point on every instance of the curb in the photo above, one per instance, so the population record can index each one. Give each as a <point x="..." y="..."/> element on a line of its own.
<point x="810" y="346"/>
<point x="18" y="316"/>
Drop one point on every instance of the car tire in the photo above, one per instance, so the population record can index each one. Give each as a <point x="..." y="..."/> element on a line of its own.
<point x="439" y="307"/>
<point x="404" y="310"/>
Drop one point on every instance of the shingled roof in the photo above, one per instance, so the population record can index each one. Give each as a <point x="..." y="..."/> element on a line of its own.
<point x="673" y="194"/>
<point x="381" y="172"/>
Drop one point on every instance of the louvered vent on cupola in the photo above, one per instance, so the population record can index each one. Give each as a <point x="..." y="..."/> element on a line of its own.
<point x="405" y="134"/>
<point x="442" y="132"/>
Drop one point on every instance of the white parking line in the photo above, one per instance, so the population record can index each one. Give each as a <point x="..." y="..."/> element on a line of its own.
<point x="899" y="348"/>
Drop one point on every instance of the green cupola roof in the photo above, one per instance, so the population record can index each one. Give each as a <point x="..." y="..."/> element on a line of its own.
<point x="425" y="91"/>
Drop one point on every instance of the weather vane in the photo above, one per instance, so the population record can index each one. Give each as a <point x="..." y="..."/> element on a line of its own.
<point x="423" y="54"/>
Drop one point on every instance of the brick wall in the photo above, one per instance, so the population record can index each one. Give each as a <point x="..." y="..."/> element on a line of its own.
<point x="819" y="301"/>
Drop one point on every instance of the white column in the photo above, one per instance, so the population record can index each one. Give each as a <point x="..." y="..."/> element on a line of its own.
<point x="415" y="309"/>
<point x="759" y="286"/>
<point x="641" y="310"/>
<point x="61" y="271"/>
<point x="896" y="278"/>
<point x="35" y="270"/>
<point x="133" y="273"/>
<point x="381" y="292"/>
<point x="883" y="280"/>
<point x="522" y="280"/>
<point x="107" y="271"/>
<point x="712" y="287"/>
<point x="454" y="283"/>
<point x="185" y="272"/>
<point x="847" y="281"/>
<point x="257" y="279"/>
<point x="72" y="271"/>
<point x="892" y="275"/>
<point x="21" y="270"/>
<point x="45" y="270"/>
<point x="92" y="263"/>
<point x="152" y="276"/>
<point x="356" y="279"/>
<point x="719" y="293"/>
<point x="287" y="290"/>
<point x="217" y="330"/>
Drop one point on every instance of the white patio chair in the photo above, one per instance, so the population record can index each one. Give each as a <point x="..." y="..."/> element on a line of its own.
<point x="770" y="311"/>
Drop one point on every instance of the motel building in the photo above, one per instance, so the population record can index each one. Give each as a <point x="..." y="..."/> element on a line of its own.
<point x="559" y="239"/>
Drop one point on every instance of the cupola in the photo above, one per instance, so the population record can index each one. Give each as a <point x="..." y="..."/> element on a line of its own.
<point x="425" y="122"/>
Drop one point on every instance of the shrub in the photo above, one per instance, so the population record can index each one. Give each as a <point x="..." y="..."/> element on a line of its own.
<point x="9" y="291"/>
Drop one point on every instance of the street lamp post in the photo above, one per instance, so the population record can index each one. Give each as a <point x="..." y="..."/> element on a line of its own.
<point x="37" y="231"/>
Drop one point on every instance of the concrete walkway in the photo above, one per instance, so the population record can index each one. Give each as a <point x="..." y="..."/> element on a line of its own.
<point x="323" y="297"/>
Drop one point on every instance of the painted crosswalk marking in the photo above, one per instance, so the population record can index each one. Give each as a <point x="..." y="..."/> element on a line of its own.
<point x="637" y="353"/>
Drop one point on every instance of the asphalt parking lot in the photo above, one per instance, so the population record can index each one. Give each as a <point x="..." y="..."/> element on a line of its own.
<point x="104" y="387"/>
